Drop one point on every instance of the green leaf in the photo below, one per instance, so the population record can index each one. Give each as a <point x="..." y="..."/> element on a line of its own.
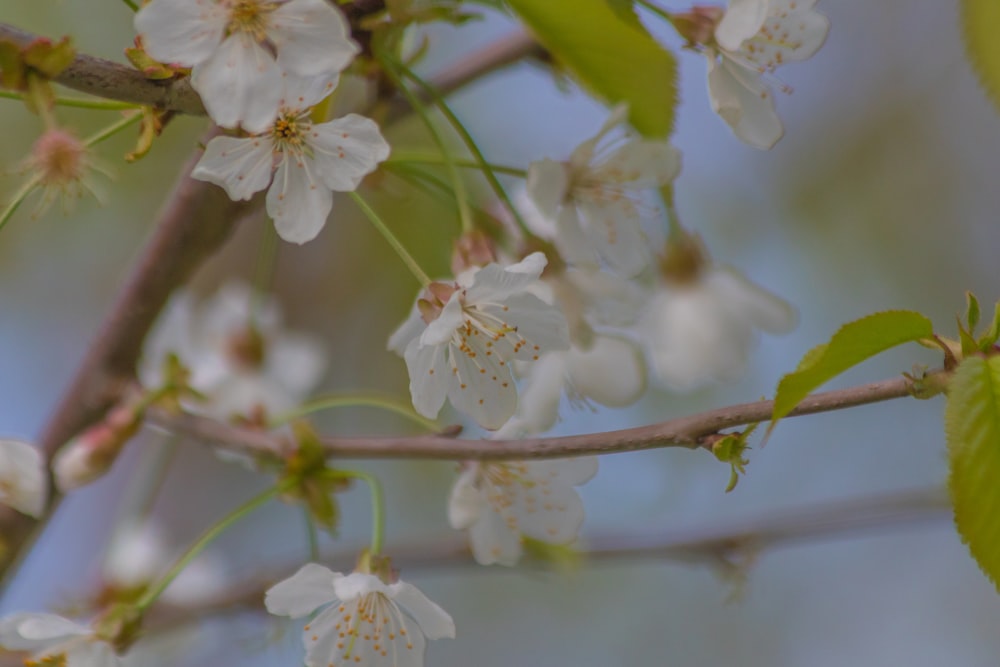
<point x="980" y="21"/>
<point x="853" y="343"/>
<point x="613" y="57"/>
<point x="989" y="339"/>
<point x="972" y="312"/>
<point x="972" y="426"/>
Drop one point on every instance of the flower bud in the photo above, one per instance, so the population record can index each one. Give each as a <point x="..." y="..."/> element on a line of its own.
<point x="88" y="456"/>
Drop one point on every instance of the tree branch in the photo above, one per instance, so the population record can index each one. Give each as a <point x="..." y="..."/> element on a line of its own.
<point x="684" y="432"/>
<point x="713" y="545"/>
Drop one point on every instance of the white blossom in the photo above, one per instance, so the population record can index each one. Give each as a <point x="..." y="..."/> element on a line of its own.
<point x="596" y="196"/>
<point x="499" y="501"/>
<point x="752" y="40"/>
<point x="702" y="330"/>
<point x="365" y="621"/>
<point x="309" y="161"/>
<point x="24" y="482"/>
<point x="239" y="354"/>
<point x="54" y="640"/>
<point x="461" y="339"/>
<point x="238" y="50"/>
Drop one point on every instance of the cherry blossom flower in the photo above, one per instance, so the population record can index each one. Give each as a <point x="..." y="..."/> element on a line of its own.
<point x="239" y="354"/>
<point x="752" y="39"/>
<point x="61" y="167"/>
<point x="24" y="482"/>
<point x="238" y="50"/>
<point x="702" y="322"/>
<point x="55" y="640"/>
<point x="596" y="196"/>
<point x="499" y="501"/>
<point x="309" y="161"/>
<point x="366" y="621"/>
<point x="461" y="339"/>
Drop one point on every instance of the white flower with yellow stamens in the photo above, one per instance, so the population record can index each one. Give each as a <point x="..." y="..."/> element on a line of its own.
<point x="238" y="50"/>
<point x="309" y="161"/>
<point x="366" y="621"/>
<point x="54" y="640"/>
<point x="462" y="338"/>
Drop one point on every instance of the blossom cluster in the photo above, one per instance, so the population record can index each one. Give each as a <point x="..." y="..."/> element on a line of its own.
<point x="262" y="66"/>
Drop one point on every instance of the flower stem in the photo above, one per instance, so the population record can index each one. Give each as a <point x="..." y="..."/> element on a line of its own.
<point x="461" y="197"/>
<point x="312" y="536"/>
<point x="355" y="400"/>
<point x="19" y="198"/>
<point x="154" y="592"/>
<point x="378" y="506"/>
<point x="674" y="227"/>
<point x="76" y="102"/>
<point x="431" y="158"/>
<point x="112" y="129"/>
<point x="470" y="143"/>
<point x="267" y="253"/>
<point x="134" y="7"/>
<point x="407" y="258"/>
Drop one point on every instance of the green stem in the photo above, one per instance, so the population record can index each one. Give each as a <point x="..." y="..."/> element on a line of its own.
<point x="470" y="143"/>
<point x="354" y="400"/>
<point x="674" y="226"/>
<point x="112" y="129"/>
<point x="134" y="7"/>
<point x="154" y="592"/>
<point x="378" y="506"/>
<point x="386" y="233"/>
<point x="659" y="11"/>
<point x="432" y="158"/>
<point x="267" y="253"/>
<point x="76" y="102"/>
<point x="19" y="198"/>
<point x="461" y="198"/>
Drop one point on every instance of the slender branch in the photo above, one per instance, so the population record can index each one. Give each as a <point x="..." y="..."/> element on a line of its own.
<point x="710" y="545"/>
<point x="110" y="80"/>
<point x="686" y="432"/>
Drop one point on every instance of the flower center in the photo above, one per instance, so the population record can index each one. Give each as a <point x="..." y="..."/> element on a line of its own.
<point x="246" y="348"/>
<point x="290" y="130"/>
<point x="250" y="16"/>
<point x="54" y="660"/>
<point x="60" y="158"/>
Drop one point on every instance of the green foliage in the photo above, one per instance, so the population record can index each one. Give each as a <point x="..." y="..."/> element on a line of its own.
<point x="730" y="449"/>
<point x="980" y="22"/>
<point x="610" y="54"/>
<point x="853" y="343"/>
<point x="972" y="426"/>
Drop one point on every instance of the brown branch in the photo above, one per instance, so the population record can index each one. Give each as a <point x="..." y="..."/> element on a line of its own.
<point x="107" y="79"/>
<point x="684" y="432"/>
<point x="709" y="545"/>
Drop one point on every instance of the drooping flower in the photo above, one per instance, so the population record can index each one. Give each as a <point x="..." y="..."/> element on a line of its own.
<point x="596" y="196"/>
<point x="24" y="482"/>
<point x="61" y="167"/>
<point x="238" y="50"/>
<point x="238" y="352"/>
<point x="54" y="640"/>
<point x="702" y="322"/>
<point x="751" y="40"/>
<point x="462" y="338"/>
<point x="309" y="161"/>
<point x="499" y="501"/>
<point x="365" y="621"/>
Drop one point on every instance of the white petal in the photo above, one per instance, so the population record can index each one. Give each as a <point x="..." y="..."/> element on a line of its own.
<point x="614" y="228"/>
<point x="297" y="362"/>
<point x="442" y="329"/>
<point x="494" y="283"/>
<point x="181" y="32"/>
<point x="346" y="150"/>
<point x="744" y="102"/>
<point x="542" y="326"/>
<point x="573" y="243"/>
<point x="407" y="331"/>
<point x="24" y="482"/>
<point x="136" y="555"/>
<point x="788" y="35"/>
<point x="357" y="584"/>
<point x="240" y="166"/>
<point x="641" y="163"/>
<point x="571" y="472"/>
<point x="539" y="223"/>
<point x="555" y="513"/>
<point x="434" y="621"/>
<point x="90" y="654"/>
<point x="298" y="201"/>
<point x="541" y="394"/>
<point x="482" y="388"/>
<point x="303" y="592"/>
<point x="493" y="542"/>
<point x="28" y="631"/>
<point x="742" y="20"/>
<point x="466" y="502"/>
<point x="311" y="38"/>
<point x="321" y="637"/>
<point x="609" y="298"/>
<point x="429" y="377"/>
<point x="548" y="185"/>
<point x="766" y="311"/>
<point x="240" y="84"/>
<point x="301" y="92"/>
<point x="612" y="372"/>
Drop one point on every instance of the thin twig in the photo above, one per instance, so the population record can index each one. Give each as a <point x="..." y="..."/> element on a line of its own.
<point x="704" y="545"/>
<point x="686" y="432"/>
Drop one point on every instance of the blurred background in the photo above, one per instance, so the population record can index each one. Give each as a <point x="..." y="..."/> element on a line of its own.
<point x="881" y="195"/>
